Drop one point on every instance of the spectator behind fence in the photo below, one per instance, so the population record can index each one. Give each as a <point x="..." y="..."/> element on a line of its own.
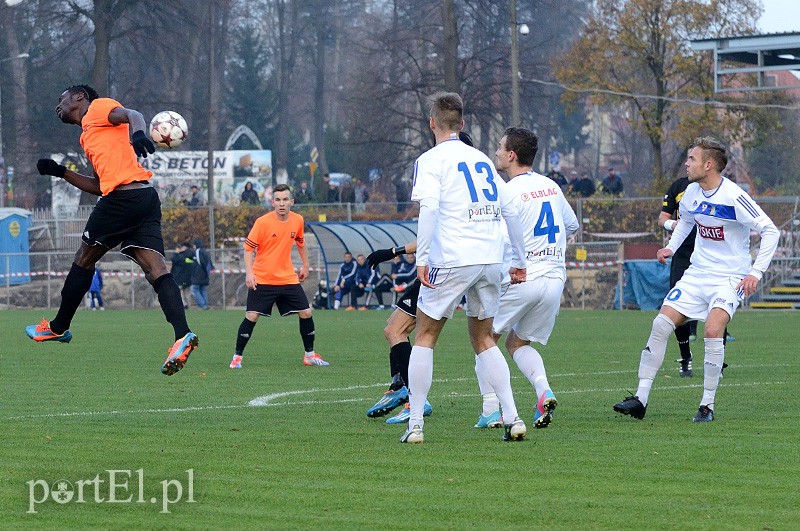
<point x="347" y="194"/>
<point x="249" y="195"/>
<point x="361" y="195"/>
<point x="200" y="275"/>
<point x="95" y="288"/>
<point x="402" y="194"/>
<point x="196" y="199"/>
<point x="557" y="177"/>
<point x="303" y="194"/>
<point x="182" y="265"/>
<point x="583" y="187"/>
<point x="333" y="190"/>
<point x="612" y="183"/>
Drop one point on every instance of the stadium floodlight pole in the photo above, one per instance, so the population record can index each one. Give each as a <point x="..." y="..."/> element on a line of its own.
<point x="523" y="30"/>
<point x="212" y="124"/>
<point x="3" y="178"/>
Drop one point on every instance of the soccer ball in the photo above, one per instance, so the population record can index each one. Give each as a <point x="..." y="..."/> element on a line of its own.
<point x="168" y="129"/>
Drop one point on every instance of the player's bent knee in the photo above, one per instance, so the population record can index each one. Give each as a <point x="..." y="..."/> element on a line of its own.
<point x="513" y="343"/>
<point x="251" y="316"/>
<point x="713" y="331"/>
<point x="305" y="314"/>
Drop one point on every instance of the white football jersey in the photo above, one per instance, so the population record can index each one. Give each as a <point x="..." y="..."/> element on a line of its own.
<point x="723" y="218"/>
<point x="548" y="220"/>
<point x="470" y="197"/>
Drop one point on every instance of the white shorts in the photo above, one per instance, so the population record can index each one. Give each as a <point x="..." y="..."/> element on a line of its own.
<point x="530" y="308"/>
<point x="697" y="292"/>
<point x="480" y="283"/>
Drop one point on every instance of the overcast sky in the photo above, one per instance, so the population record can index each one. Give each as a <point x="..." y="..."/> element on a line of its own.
<point x="780" y="15"/>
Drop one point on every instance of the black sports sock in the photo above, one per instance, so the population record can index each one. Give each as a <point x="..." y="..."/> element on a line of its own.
<point x="397" y="382"/>
<point x="243" y="336"/>
<point x="725" y="337"/>
<point x="75" y="287"/>
<point x="307" y="333"/>
<point x="169" y="297"/>
<point x="682" y="335"/>
<point x="399" y="355"/>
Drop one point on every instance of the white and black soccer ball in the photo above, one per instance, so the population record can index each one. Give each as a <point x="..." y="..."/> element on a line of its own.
<point x="168" y="129"/>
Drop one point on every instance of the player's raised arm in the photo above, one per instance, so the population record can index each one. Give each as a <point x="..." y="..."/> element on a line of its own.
<point x="141" y="144"/>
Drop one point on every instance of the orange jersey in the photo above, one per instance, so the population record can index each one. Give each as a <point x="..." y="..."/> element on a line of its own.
<point x="108" y="147"/>
<point x="272" y="240"/>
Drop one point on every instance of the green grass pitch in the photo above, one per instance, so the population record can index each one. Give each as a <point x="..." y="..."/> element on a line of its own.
<point x="310" y="458"/>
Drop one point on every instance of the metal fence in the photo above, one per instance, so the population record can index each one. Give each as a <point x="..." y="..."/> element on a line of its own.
<point x="607" y="225"/>
<point x="124" y="284"/>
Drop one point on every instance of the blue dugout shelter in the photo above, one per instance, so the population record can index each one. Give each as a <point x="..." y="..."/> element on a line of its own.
<point x="359" y="237"/>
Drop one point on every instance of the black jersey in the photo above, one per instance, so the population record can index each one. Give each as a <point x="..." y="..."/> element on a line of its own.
<point x="671" y="201"/>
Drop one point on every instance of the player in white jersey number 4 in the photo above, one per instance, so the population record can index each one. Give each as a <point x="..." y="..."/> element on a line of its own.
<point x="719" y="278"/>
<point x="528" y="310"/>
<point x="460" y="251"/>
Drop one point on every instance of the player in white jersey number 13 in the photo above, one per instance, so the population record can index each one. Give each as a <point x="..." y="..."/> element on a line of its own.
<point x="720" y="276"/>
<point x="460" y="251"/>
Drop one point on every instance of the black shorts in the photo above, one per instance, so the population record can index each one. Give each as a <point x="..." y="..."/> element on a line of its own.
<point x="680" y="263"/>
<point x="408" y="299"/>
<point x="128" y="218"/>
<point x="289" y="299"/>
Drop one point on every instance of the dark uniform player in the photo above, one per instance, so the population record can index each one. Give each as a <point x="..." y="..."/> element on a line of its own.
<point x="398" y="329"/>
<point x="128" y="214"/>
<point x="680" y="263"/>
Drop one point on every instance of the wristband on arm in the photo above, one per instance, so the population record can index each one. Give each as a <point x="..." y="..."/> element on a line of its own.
<point x="669" y="225"/>
<point x="397" y="251"/>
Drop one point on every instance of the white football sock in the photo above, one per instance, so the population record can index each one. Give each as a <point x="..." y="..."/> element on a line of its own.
<point x="712" y="368"/>
<point x="531" y="364"/>
<point x="490" y="401"/>
<point x="420" y="377"/>
<point x="499" y="377"/>
<point x="653" y="355"/>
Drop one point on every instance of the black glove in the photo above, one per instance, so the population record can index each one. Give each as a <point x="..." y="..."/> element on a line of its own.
<point x="381" y="255"/>
<point x="141" y="144"/>
<point x="50" y="167"/>
<point x="464" y="137"/>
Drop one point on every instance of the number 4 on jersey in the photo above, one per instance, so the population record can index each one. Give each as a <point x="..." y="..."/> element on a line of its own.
<point x="546" y="223"/>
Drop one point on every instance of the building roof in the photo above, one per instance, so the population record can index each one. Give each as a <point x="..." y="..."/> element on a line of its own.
<point x="752" y="54"/>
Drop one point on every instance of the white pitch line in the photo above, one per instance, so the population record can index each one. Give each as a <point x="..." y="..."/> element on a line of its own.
<point x="268" y="400"/>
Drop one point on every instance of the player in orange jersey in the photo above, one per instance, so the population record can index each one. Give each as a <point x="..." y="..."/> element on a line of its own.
<point x="128" y="214"/>
<point x="271" y="277"/>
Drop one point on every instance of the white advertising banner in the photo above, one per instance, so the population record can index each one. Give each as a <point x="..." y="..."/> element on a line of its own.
<point x="175" y="172"/>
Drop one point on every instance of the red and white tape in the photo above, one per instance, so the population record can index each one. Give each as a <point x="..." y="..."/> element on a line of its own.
<point x="592" y="264"/>
<point x="118" y="273"/>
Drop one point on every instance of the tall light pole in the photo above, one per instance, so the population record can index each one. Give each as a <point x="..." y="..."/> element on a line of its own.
<point x="523" y="30"/>
<point x="212" y="122"/>
<point x="3" y="178"/>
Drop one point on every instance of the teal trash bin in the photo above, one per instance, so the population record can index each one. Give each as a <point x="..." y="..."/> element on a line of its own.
<point x="15" y="260"/>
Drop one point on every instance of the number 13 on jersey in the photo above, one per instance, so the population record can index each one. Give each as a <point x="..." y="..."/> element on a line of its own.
<point x="489" y="193"/>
